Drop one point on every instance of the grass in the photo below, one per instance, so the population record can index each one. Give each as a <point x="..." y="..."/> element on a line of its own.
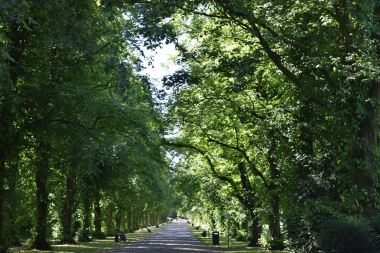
<point x="97" y="245"/>
<point x="235" y="246"/>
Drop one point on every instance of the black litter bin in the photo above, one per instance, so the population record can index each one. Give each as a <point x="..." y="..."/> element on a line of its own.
<point x="215" y="238"/>
<point x="116" y="237"/>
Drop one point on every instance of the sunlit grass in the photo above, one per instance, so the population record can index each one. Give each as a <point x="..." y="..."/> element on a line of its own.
<point x="97" y="245"/>
<point x="236" y="246"/>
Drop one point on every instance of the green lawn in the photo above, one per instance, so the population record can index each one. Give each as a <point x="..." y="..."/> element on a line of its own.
<point x="235" y="246"/>
<point x="97" y="245"/>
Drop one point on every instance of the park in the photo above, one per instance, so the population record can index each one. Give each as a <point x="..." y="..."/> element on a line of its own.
<point x="263" y="127"/>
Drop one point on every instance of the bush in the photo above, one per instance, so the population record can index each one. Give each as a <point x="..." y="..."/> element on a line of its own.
<point x="345" y="235"/>
<point x="375" y="233"/>
<point x="82" y="235"/>
<point x="268" y="242"/>
<point x="242" y="236"/>
<point x="99" y="235"/>
<point x="303" y="223"/>
<point x="4" y="248"/>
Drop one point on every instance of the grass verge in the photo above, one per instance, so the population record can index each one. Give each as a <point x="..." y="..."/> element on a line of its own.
<point x="235" y="246"/>
<point x="98" y="245"/>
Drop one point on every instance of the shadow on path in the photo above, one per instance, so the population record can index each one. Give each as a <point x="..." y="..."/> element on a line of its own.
<point x="175" y="237"/>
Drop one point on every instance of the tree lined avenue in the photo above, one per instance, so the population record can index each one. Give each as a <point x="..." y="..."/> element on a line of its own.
<point x="271" y="116"/>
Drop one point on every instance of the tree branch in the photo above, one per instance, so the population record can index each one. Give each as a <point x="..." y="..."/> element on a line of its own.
<point x="212" y="168"/>
<point x="103" y="85"/>
<point x="254" y="169"/>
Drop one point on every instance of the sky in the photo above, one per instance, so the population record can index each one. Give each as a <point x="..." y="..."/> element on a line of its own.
<point x="161" y="64"/>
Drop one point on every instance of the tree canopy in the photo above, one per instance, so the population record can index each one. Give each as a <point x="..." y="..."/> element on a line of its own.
<point x="79" y="126"/>
<point x="275" y="112"/>
<point x="281" y="100"/>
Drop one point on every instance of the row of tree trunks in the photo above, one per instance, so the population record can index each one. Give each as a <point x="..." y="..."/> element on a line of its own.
<point x="123" y="218"/>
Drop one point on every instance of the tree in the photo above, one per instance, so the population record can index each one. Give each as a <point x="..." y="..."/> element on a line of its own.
<point x="312" y="69"/>
<point x="69" y="72"/>
<point x="325" y="52"/>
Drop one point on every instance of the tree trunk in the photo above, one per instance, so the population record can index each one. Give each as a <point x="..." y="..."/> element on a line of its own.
<point x="2" y="171"/>
<point x="274" y="224"/>
<point x="42" y="170"/>
<point x="142" y="221"/>
<point x="118" y="219"/>
<point x="129" y="219"/>
<point x="86" y="219"/>
<point x="122" y="218"/>
<point x="249" y="201"/>
<point x="76" y="224"/>
<point x="97" y="221"/>
<point x="67" y="210"/>
<point x="244" y="225"/>
<point x="364" y="175"/>
<point x="109" y="219"/>
<point x="306" y="144"/>
<point x="274" y="217"/>
<point x="11" y="208"/>
<point x="256" y="230"/>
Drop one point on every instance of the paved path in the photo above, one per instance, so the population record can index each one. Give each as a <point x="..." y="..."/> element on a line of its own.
<point x="175" y="237"/>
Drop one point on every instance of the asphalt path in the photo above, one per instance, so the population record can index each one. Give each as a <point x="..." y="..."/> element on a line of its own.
<point x="175" y="237"/>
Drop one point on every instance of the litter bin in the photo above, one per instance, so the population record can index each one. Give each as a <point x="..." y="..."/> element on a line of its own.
<point x="215" y="238"/>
